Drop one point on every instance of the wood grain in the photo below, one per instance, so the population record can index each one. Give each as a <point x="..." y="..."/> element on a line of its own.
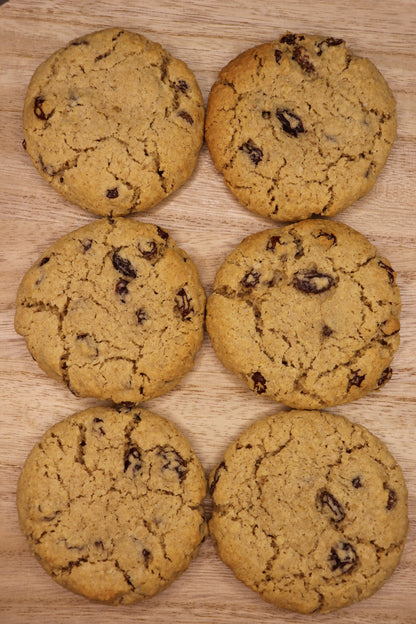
<point x="209" y="405"/>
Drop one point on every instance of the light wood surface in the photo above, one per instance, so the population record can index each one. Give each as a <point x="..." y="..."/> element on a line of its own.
<point x="210" y="405"/>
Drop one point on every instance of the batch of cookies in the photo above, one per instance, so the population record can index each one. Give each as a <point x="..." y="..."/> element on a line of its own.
<point x="310" y="509"/>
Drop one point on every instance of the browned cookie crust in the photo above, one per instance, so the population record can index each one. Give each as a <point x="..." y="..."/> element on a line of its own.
<point x="114" y="309"/>
<point x="114" y="122"/>
<point x="310" y="510"/>
<point x="307" y="314"/>
<point x="300" y="126"/>
<point x="110" y="503"/>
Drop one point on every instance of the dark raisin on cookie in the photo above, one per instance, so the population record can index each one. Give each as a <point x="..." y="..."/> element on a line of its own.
<point x="385" y="376"/>
<point x="328" y="235"/>
<point x="112" y="193"/>
<point x="355" y="380"/>
<point x="272" y="242"/>
<point x="312" y="282"/>
<point x="250" y="279"/>
<point x="302" y="59"/>
<point x="38" y="110"/>
<point x="147" y="557"/>
<point x="389" y="270"/>
<point x="326" y="500"/>
<point x="259" y="382"/>
<point x="133" y="460"/>
<point x="141" y="316"/>
<point x="291" y="123"/>
<point x="182" y="85"/>
<point x="357" y="482"/>
<point x="123" y="265"/>
<point x="277" y="55"/>
<point x="183" y="304"/>
<point x="216" y="477"/>
<point x="97" y="427"/>
<point x="187" y="117"/>
<point x="164" y="235"/>
<point x="327" y="331"/>
<point x="342" y="557"/>
<point x="44" y="261"/>
<point x="121" y="289"/>
<point x="173" y="461"/>
<point x="330" y="41"/>
<point x="391" y="498"/>
<point x="255" y="153"/>
<point x="149" y="253"/>
<point x="291" y="38"/>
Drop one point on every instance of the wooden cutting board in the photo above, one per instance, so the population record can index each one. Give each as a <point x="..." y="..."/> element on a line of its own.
<point x="210" y="405"/>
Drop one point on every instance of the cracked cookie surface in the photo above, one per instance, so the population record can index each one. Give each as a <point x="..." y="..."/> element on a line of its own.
<point x="114" y="122"/>
<point x="300" y="126"/>
<point x="110" y="503"/>
<point x="310" y="510"/>
<point x="114" y="309"/>
<point x="307" y="314"/>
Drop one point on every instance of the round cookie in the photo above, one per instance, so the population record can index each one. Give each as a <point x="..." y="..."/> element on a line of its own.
<point x="114" y="309"/>
<point x="114" y="122"/>
<point x="307" y="314"/>
<point x="110" y="503"/>
<point x="310" y="510"/>
<point x="300" y="126"/>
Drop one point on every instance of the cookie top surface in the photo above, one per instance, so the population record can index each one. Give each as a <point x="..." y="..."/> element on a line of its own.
<point x="310" y="510"/>
<point x="115" y="309"/>
<point x="300" y="126"/>
<point x="307" y="314"/>
<point x="110" y="503"/>
<point x="114" y="122"/>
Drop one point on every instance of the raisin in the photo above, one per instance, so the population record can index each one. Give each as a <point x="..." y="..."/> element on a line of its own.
<point x="254" y="152"/>
<point x="182" y="86"/>
<point x="357" y="482"/>
<point x="86" y="244"/>
<point x="183" y="304"/>
<point x="173" y="461"/>
<point x="342" y="557"/>
<point x="250" y="279"/>
<point x="290" y="38"/>
<point x="150" y="253"/>
<point x="216" y="477"/>
<point x="123" y="265"/>
<point x="81" y="42"/>
<point x="385" y="376"/>
<point x="162" y="233"/>
<point x="112" y="193"/>
<point x="389" y="270"/>
<point x="44" y="261"/>
<point x="302" y="59"/>
<point x="312" y="282"/>
<point x="391" y="499"/>
<point x="141" y="316"/>
<point x="291" y="123"/>
<point x="272" y="242"/>
<point x="99" y="544"/>
<point x="336" y="510"/>
<point x="146" y="557"/>
<point x="327" y="331"/>
<point x="97" y="429"/>
<point x="277" y="55"/>
<point x="133" y="460"/>
<point x="39" y="112"/>
<point x="355" y="380"/>
<point x="328" y="42"/>
<point x="121" y="289"/>
<point x="186" y="116"/>
<point x="266" y="114"/>
<point x="259" y="382"/>
<point x="328" y="235"/>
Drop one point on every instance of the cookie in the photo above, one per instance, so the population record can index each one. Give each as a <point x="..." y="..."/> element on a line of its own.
<point x="110" y="503"/>
<point x="114" y="309"/>
<point x="310" y="510"/>
<point x="307" y="314"/>
<point x="300" y="126"/>
<point x="114" y="122"/>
